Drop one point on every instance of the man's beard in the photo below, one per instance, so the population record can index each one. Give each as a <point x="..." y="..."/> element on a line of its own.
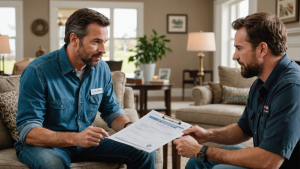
<point x="253" y="69"/>
<point x="84" y="56"/>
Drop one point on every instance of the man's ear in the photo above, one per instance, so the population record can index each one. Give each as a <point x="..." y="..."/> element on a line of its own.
<point x="263" y="49"/>
<point x="74" y="40"/>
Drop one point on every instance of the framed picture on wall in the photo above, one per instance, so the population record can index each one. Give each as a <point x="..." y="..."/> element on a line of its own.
<point x="287" y="10"/>
<point x="164" y="73"/>
<point x="177" y="23"/>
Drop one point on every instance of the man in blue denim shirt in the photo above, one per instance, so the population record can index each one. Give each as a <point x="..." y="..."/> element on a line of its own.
<point x="60" y="94"/>
<point x="272" y="113"/>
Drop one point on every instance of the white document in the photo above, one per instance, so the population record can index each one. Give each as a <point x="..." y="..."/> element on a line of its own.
<point x="151" y="132"/>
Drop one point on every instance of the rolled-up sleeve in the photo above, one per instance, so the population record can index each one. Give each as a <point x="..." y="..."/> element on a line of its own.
<point x="31" y="103"/>
<point x="282" y="128"/>
<point x="109" y="107"/>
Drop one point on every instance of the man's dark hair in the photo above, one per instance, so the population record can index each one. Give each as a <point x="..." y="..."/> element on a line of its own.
<point x="78" y="22"/>
<point x="264" y="27"/>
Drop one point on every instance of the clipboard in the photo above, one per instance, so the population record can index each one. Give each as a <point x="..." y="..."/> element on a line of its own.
<point x="151" y="131"/>
<point x="174" y="120"/>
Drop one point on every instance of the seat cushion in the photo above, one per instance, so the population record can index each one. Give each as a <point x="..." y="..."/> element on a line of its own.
<point x="215" y="114"/>
<point x="9" y="160"/>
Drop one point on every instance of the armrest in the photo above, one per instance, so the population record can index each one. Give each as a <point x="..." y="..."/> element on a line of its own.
<point x="132" y="114"/>
<point x="202" y="95"/>
<point x="128" y="98"/>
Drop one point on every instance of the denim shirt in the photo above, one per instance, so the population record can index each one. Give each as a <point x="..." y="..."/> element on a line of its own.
<point x="272" y="114"/>
<point x="53" y="97"/>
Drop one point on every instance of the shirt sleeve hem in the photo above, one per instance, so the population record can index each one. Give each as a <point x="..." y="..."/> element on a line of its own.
<point x="243" y="127"/>
<point x="276" y="148"/>
<point x="112" y="116"/>
<point x="25" y="130"/>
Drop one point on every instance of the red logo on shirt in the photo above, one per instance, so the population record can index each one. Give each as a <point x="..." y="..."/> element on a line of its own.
<point x="266" y="107"/>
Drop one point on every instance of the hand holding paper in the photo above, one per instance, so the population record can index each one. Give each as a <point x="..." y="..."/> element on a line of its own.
<point x="151" y="131"/>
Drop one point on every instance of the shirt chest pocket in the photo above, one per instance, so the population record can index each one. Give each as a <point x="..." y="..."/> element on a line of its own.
<point x="264" y="118"/>
<point x="94" y="105"/>
<point x="60" y="110"/>
<point x="251" y="118"/>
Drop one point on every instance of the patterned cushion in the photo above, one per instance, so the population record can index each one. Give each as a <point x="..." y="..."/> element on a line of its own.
<point x="232" y="95"/>
<point x="8" y="111"/>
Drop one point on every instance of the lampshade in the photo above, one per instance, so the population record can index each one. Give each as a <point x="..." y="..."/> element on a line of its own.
<point x="201" y="41"/>
<point x="4" y="44"/>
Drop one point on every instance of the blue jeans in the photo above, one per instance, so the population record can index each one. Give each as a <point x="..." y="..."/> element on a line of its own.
<point x="108" y="151"/>
<point x="194" y="163"/>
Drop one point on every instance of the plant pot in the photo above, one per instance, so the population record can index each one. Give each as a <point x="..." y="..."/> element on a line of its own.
<point x="148" y="71"/>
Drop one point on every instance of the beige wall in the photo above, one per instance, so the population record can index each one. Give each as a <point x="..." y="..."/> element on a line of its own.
<point x="269" y="6"/>
<point x="200" y="17"/>
<point x="32" y="10"/>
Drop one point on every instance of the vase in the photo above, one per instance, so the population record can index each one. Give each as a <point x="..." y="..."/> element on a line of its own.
<point x="148" y="71"/>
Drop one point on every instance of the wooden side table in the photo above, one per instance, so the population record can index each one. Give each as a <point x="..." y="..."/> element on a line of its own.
<point x="193" y="78"/>
<point x="143" y="105"/>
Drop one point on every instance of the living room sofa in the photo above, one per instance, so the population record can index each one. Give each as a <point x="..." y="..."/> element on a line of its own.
<point x="208" y="110"/>
<point x="8" y="157"/>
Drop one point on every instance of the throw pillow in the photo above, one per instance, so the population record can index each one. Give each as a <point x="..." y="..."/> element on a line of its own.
<point x="217" y="92"/>
<point x="8" y="111"/>
<point x="232" y="95"/>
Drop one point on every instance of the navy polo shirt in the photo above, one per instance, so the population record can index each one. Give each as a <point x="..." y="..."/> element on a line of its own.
<point x="272" y="114"/>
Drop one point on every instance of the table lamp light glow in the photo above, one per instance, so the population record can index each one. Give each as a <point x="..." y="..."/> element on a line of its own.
<point x="4" y="48"/>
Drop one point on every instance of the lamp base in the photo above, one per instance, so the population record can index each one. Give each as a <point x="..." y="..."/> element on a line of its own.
<point x="201" y="69"/>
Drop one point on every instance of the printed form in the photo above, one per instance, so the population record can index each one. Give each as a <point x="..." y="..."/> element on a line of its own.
<point x="151" y="132"/>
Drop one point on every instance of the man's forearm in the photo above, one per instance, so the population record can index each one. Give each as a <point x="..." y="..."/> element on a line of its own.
<point x="118" y="123"/>
<point x="248" y="157"/>
<point x="40" y="136"/>
<point x="231" y="134"/>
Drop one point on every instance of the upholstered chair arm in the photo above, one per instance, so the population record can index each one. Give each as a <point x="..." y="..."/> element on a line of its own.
<point x="202" y="95"/>
<point x="132" y="114"/>
<point x="128" y="98"/>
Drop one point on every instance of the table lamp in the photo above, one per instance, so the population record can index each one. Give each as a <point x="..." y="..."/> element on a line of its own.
<point x="201" y="41"/>
<point x="4" y="48"/>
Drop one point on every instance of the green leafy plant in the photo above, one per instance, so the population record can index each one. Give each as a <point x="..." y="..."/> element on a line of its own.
<point x="149" y="51"/>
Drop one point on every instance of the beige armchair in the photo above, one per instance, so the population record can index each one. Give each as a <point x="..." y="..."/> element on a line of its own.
<point x="21" y="65"/>
<point x="8" y="158"/>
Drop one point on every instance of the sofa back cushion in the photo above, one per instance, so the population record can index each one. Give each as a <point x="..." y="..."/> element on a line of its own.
<point x="232" y="77"/>
<point x="119" y="81"/>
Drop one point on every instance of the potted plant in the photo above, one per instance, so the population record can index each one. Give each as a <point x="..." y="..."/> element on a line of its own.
<point x="148" y="51"/>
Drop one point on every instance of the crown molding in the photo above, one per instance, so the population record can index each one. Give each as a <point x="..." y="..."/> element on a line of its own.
<point x="293" y="30"/>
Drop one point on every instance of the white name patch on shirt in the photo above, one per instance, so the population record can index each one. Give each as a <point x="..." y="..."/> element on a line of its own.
<point x="96" y="91"/>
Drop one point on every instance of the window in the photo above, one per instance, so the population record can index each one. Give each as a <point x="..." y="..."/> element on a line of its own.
<point x="225" y="12"/>
<point x="11" y="25"/>
<point x="237" y="9"/>
<point x="126" y="26"/>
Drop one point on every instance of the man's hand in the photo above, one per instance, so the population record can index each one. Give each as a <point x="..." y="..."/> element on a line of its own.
<point x="91" y="136"/>
<point x="187" y="146"/>
<point x="198" y="133"/>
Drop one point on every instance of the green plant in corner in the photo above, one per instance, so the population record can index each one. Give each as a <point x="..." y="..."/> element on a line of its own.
<point x="149" y="51"/>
